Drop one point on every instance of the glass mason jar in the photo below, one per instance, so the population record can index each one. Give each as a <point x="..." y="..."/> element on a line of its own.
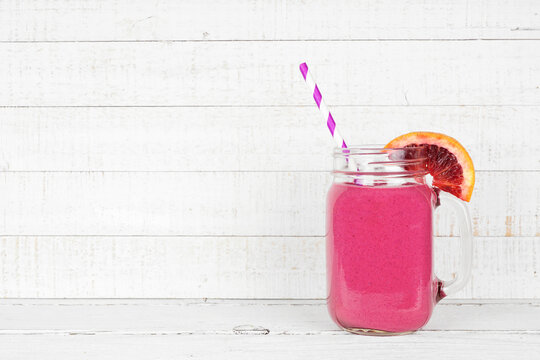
<point x="379" y="241"/>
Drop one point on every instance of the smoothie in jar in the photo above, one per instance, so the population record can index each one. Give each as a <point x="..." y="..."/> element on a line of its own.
<point x="379" y="256"/>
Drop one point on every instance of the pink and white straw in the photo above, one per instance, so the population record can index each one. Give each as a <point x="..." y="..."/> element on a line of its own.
<point x="340" y="142"/>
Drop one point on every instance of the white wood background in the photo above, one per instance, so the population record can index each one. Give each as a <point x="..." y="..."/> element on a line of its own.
<point x="169" y="149"/>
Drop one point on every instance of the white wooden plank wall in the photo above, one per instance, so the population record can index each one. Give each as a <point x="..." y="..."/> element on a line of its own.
<point x="255" y="73"/>
<point x="154" y="149"/>
<point x="126" y="20"/>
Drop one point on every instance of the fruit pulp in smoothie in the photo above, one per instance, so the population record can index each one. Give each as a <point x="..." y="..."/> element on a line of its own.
<point x="379" y="256"/>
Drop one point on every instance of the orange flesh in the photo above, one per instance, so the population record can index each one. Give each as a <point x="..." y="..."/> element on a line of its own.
<point x="448" y="161"/>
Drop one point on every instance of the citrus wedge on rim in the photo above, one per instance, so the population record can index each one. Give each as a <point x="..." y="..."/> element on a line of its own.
<point x="447" y="161"/>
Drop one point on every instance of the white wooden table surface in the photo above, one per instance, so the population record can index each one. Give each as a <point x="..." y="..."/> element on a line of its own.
<point x="168" y="149"/>
<point x="255" y="329"/>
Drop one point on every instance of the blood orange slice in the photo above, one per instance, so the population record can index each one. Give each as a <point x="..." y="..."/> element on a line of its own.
<point x="447" y="161"/>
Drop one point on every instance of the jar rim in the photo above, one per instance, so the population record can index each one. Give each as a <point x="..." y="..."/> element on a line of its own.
<point x="375" y="159"/>
<point x="368" y="148"/>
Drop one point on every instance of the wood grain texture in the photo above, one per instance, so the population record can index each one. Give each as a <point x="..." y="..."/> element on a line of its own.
<point x="125" y="20"/>
<point x="255" y="73"/>
<point x="248" y="139"/>
<point x="230" y="317"/>
<point x="444" y="346"/>
<point x="230" y="267"/>
<point x="247" y="330"/>
<point x="226" y="203"/>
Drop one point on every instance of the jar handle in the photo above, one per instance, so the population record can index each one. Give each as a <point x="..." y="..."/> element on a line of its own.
<point x="460" y="279"/>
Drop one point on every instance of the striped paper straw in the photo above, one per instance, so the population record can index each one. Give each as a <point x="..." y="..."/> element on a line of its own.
<point x="340" y="142"/>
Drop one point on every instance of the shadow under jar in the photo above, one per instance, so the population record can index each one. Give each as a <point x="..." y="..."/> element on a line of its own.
<point x="379" y="241"/>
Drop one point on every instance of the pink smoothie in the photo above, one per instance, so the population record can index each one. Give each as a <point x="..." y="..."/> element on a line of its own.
<point x="379" y="256"/>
